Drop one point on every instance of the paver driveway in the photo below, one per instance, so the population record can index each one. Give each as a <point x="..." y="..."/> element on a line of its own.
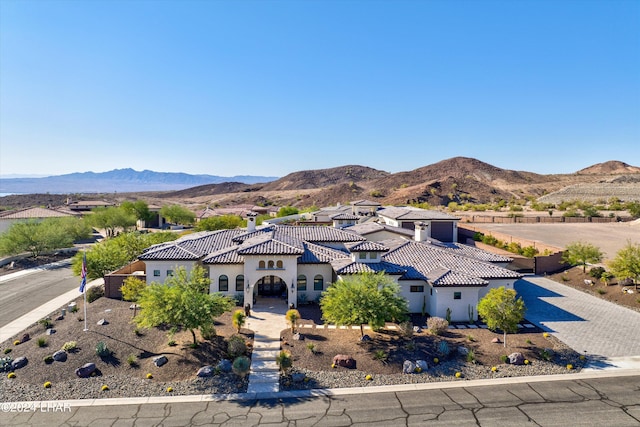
<point x="580" y="320"/>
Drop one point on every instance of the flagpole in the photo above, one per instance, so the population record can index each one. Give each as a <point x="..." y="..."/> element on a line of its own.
<point x="85" y="311"/>
<point x="83" y="287"/>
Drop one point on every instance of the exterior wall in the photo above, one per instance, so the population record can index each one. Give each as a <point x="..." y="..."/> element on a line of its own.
<point x="6" y="224"/>
<point x="310" y="271"/>
<point x="164" y="266"/>
<point x="415" y="299"/>
<point x="459" y="308"/>
<point x="229" y="270"/>
<point x="384" y="235"/>
<point x="494" y="284"/>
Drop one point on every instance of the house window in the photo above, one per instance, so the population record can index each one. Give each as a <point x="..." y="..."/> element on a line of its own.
<point x="417" y="288"/>
<point x="156" y="273"/>
<point x="302" y="282"/>
<point x="318" y="283"/>
<point x="431" y="291"/>
<point x="223" y="283"/>
<point x="261" y="265"/>
<point x="279" y="264"/>
<point x="270" y="264"/>
<point x="169" y="273"/>
<point x="362" y="255"/>
<point x="457" y="295"/>
<point x="239" y="283"/>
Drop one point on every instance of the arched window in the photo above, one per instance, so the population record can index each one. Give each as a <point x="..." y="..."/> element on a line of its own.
<point x="318" y="283"/>
<point x="302" y="282"/>
<point x="261" y="265"/>
<point x="223" y="283"/>
<point x="270" y="264"/>
<point x="240" y="283"/>
<point x="279" y="264"/>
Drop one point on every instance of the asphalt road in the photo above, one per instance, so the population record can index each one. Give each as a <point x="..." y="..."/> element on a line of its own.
<point x="22" y="294"/>
<point x="608" y="401"/>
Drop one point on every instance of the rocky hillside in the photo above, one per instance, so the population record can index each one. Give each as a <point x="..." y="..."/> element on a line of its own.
<point x="612" y="167"/>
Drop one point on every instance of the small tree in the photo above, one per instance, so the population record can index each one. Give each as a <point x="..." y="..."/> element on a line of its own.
<point x="284" y="360"/>
<point x="181" y="301"/>
<point x="626" y="263"/>
<point x="501" y="310"/>
<point x="238" y="319"/>
<point x="372" y="298"/>
<point x="177" y="214"/>
<point x="112" y="219"/>
<point x="579" y="253"/>
<point x="292" y="317"/>
<point x="131" y="290"/>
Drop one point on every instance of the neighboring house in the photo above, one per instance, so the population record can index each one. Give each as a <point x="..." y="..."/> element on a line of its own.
<point x="31" y="214"/>
<point x="88" y="205"/>
<point x="364" y="207"/>
<point x="435" y="224"/>
<point x="298" y="263"/>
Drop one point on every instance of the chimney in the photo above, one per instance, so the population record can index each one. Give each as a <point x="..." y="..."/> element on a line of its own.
<point x="251" y="222"/>
<point x="421" y="231"/>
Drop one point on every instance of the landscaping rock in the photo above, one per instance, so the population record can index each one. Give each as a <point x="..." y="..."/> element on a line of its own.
<point x="134" y="306"/>
<point x="516" y="359"/>
<point x="59" y="318"/>
<point x="365" y="338"/>
<point x="417" y="329"/>
<point x="19" y="362"/>
<point x="408" y="367"/>
<point x="50" y="331"/>
<point x="60" y="356"/>
<point x="344" y="361"/>
<point x="206" y="371"/>
<point x="422" y="364"/>
<point x="298" y="337"/>
<point x="463" y="351"/>
<point x="102" y="322"/>
<point x="86" y="370"/>
<point x="71" y="307"/>
<point x="225" y="366"/>
<point x="160" y="360"/>
<point x="496" y="341"/>
<point x="297" y="377"/>
<point x="25" y="338"/>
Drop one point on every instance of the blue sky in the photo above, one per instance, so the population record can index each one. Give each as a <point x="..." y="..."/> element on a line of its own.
<point x="271" y="87"/>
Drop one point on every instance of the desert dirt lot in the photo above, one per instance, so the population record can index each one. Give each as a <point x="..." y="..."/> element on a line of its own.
<point x="609" y="237"/>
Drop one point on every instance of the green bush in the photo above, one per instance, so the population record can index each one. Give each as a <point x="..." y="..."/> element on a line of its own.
<point x="41" y="342"/>
<point x="437" y="325"/>
<point x="48" y="359"/>
<point x="596" y="272"/>
<point x="471" y="356"/>
<point x="70" y="346"/>
<point x="284" y="360"/>
<point x="504" y="358"/>
<point x="95" y="292"/>
<point x="236" y="346"/>
<point x="102" y="350"/>
<point x="241" y="365"/>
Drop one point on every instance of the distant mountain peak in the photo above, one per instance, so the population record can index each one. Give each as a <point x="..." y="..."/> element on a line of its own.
<point x="611" y="167"/>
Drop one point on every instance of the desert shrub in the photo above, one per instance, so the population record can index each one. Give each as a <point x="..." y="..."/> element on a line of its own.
<point x="410" y="346"/>
<point x="95" y="292"/>
<point x="381" y="355"/>
<point x="601" y="291"/>
<point x="132" y="360"/>
<point x="46" y="323"/>
<point x="530" y="251"/>
<point x="73" y="309"/>
<point x="545" y="355"/>
<point x="437" y="325"/>
<point x="7" y="350"/>
<point x="236" y="346"/>
<point x="311" y="347"/>
<point x="406" y="329"/>
<point x="70" y="346"/>
<point x="208" y="331"/>
<point x="102" y="350"/>
<point x="41" y="342"/>
<point x="241" y="366"/>
<point x="238" y="319"/>
<point x="596" y="272"/>
<point x="292" y="317"/>
<point x="284" y="360"/>
<point x="477" y="236"/>
<point x="471" y="356"/>
<point x="172" y="343"/>
<point x="504" y="358"/>
<point x="48" y="359"/>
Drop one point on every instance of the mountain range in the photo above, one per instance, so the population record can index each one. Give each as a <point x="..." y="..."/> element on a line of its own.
<point x="459" y="179"/>
<point x="118" y="180"/>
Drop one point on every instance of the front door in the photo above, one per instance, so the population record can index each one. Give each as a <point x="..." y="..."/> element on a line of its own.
<point x="271" y="286"/>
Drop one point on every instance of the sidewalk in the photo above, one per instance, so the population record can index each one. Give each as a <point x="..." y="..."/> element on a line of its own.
<point x="21" y="273"/>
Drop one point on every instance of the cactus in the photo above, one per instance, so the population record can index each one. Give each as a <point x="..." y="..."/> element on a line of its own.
<point x="5" y="364"/>
<point x="443" y="348"/>
<point x="471" y="319"/>
<point x="448" y="315"/>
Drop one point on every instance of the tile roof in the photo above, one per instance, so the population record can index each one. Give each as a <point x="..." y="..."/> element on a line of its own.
<point x="365" y="203"/>
<point x="369" y="227"/>
<point x="319" y="233"/>
<point x="348" y="266"/>
<point x="192" y="246"/>
<point x="318" y="254"/>
<point x="425" y="258"/>
<point x="267" y="245"/>
<point x="414" y="214"/>
<point x="366" y="246"/>
<point x="36" y="213"/>
<point x="472" y="251"/>
<point x="344" y="215"/>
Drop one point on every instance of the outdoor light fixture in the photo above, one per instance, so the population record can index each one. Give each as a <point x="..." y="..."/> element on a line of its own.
<point x="292" y="287"/>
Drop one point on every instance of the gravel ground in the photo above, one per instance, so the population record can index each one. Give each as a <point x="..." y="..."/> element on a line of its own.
<point x="13" y="390"/>
<point x="341" y="377"/>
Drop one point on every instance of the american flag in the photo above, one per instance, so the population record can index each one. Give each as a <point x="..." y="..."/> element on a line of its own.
<point x="83" y="272"/>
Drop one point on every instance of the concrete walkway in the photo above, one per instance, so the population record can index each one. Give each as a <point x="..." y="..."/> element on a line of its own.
<point x="608" y="333"/>
<point x="267" y="321"/>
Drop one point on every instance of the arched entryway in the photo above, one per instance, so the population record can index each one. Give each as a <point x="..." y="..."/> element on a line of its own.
<point x="270" y="287"/>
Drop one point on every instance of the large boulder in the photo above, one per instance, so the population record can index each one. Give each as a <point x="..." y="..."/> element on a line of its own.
<point x="86" y="370"/>
<point x="345" y="361"/>
<point x="298" y="337"/>
<point x="365" y="338"/>
<point x="160" y="360"/>
<point x="60" y="356"/>
<point x="102" y="322"/>
<point x="516" y="359"/>
<point x="225" y="366"/>
<point x="19" y="362"/>
<point x="206" y="371"/>
<point x="408" y="367"/>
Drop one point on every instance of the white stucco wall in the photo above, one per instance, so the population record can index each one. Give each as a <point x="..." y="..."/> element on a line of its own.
<point x="310" y="271"/>
<point x="163" y="267"/>
<point x="459" y="308"/>
<point x="415" y="299"/>
<point x="229" y="270"/>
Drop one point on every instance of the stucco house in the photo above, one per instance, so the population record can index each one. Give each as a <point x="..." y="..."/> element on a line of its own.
<point x="8" y="218"/>
<point x="298" y="263"/>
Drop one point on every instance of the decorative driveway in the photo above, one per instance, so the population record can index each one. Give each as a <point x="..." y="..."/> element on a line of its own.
<point x="585" y="323"/>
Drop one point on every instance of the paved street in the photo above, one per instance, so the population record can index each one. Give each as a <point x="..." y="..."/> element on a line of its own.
<point x="602" y="401"/>
<point x="582" y="321"/>
<point x="24" y="293"/>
